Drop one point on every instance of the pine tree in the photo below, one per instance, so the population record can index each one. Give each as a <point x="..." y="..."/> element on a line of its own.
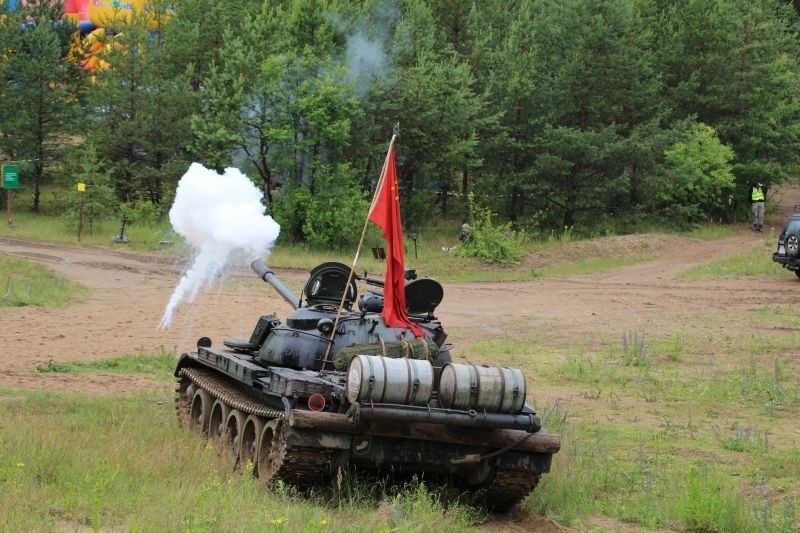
<point x="141" y="113"/>
<point x="39" y="95"/>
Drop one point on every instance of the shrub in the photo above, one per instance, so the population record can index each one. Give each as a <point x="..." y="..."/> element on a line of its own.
<point x="696" y="180"/>
<point x="333" y="217"/>
<point x="140" y="212"/>
<point x="98" y="201"/>
<point x="493" y="244"/>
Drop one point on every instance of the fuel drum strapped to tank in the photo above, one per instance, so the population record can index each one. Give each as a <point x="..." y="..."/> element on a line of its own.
<point x="489" y="388"/>
<point x="388" y="380"/>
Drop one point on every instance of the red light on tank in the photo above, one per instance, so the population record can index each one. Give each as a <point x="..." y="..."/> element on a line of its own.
<point x="316" y="402"/>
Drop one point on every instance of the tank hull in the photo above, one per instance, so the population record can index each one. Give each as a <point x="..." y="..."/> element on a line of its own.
<point x="269" y="428"/>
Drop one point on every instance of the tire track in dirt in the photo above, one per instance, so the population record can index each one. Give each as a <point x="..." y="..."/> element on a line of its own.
<point x="590" y="309"/>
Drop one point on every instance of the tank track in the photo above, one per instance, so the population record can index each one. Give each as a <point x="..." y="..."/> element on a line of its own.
<point x="182" y="401"/>
<point x="508" y="488"/>
<point x="303" y="466"/>
<point x="299" y="466"/>
<point x="233" y="396"/>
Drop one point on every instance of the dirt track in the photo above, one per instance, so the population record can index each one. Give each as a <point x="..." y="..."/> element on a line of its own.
<point x="131" y="290"/>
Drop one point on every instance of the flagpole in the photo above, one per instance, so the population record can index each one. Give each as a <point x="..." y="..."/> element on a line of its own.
<point x="360" y="244"/>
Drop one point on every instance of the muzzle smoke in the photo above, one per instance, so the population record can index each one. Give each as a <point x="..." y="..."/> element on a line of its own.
<point x="222" y="218"/>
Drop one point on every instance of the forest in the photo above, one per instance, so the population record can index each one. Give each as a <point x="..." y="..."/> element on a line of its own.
<point x="592" y="116"/>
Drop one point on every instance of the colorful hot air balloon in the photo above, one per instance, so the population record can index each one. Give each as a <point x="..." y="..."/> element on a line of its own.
<point x="78" y="12"/>
<point x="108" y="13"/>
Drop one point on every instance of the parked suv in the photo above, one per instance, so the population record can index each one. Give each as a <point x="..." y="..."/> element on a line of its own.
<point x="788" y="253"/>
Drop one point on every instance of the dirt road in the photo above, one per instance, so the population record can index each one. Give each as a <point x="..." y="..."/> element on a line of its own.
<point x="130" y="291"/>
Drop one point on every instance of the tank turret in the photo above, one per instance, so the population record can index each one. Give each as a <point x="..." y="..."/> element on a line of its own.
<point x="306" y="341"/>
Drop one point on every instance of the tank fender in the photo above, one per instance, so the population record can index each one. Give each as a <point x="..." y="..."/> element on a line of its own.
<point x="192" y="358"/>
<point x="187" y="359"/>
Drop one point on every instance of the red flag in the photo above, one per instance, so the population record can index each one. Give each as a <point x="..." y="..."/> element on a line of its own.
<point x="385" y="212"/>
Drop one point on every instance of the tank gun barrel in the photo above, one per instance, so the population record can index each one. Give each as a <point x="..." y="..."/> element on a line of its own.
<point x="408" y="273"/>
<point x="375" y="282"/>
<point x="264" y="272"/>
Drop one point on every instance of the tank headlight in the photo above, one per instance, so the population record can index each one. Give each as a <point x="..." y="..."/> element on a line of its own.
<point x="316" y="402"/>
<point x="325" y="325"/>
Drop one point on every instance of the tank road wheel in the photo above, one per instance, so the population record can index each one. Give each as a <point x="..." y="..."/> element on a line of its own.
<point x="248" y="444"/>
<point x="217" y="420"/>
<point x="797" y="273"/>
<point x="234" y="425"/>
<point x="200" y="412"/>
<point x="184" y="390"/>
<point x="270" y="452"/>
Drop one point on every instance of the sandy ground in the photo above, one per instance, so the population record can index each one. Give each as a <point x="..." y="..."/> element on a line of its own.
<point x="130" y="292"/>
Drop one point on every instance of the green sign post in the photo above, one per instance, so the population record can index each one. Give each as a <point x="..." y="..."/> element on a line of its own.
<point x="10" y="177"/>
<point x="10" y="183"/>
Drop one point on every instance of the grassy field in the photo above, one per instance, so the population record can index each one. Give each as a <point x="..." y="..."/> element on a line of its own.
<point x="73" y="462"/>
<point x="426" y="254"/>
<point x="53" y="228"/>
<point x="667" y="433"/>
<point x="660" y="433"/>
<point x="27" y="283"/>
<point x="752" y="262"/>
<point x="159" y="365"/>
<point x="692" y="430"/>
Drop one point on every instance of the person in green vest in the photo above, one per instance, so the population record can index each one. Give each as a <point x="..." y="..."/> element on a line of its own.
<point x="757" y="198"/>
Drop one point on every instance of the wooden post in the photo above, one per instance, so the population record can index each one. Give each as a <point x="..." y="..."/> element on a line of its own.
<point x="9" y="196"/>
<point x="81" y="189"/>
<point x="80" y="217"/>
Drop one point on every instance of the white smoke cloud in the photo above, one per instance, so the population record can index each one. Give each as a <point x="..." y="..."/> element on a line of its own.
<point x="221" y="216"/>
<point x="365" y="60"/>
<point x="368" y="39"/>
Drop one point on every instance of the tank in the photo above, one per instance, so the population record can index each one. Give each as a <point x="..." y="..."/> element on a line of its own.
<point x="332" y="386"/>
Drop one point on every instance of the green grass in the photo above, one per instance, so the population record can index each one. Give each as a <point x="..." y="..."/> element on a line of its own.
<point x="783" y="316"/>
<point x="449" y="268"/>
<point x="427" y="257"/>
<point x="24" y="282"/>
<point x="72" y="462"/>
<point x="590" y="266"/>
<point x="645" y="482"/>
<point x="160" y="365"/>
<point x="50" y="228"/>
<point x="756" y="261"/>
<point x="657" y="431"/>
<point x="672" y="431"/>
<point x="709" y="232"/>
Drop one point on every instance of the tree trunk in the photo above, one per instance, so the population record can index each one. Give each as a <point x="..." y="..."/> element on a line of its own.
<point x="39" y="165"/>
